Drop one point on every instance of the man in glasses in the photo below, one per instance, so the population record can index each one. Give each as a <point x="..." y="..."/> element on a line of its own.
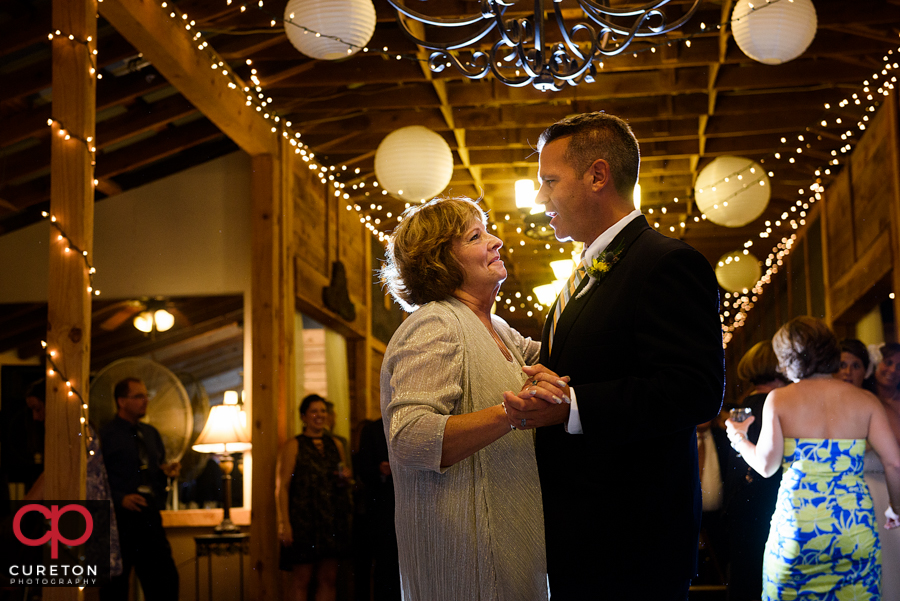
<point x="134" y="455"/>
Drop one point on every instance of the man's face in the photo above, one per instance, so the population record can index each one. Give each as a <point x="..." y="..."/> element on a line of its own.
<point x="134" y="406"/>
<point x="565" y="194"/>
<point x="38" y="409"/>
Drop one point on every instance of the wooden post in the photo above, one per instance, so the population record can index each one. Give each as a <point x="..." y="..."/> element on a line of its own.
<point x="72" y="210"/>
<point x="272" y="290"/>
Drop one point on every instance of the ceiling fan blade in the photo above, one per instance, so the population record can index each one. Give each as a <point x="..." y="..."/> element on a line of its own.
<point x="123" y="312"/>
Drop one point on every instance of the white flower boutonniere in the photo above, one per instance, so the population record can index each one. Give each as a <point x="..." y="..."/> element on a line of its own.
<point x="601" y="266"/>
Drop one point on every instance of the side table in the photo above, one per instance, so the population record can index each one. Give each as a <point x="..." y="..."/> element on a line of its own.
<point x="220" y="544"/>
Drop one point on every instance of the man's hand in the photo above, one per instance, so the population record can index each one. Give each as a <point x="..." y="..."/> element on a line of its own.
<point x="134" y="502"/>
<point x="172" y="470"/>
<point x="385" y="468"/>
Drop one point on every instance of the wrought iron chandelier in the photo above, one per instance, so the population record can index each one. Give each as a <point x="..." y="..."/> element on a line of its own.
<point x="523" y="55"/>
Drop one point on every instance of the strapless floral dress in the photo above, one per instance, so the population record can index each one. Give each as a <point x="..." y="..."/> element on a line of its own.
<point x="823" y="542"/>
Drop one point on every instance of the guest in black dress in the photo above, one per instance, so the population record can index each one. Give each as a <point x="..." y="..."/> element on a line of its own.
<point x="750" y="498"/>
<point x="314" y="509"/>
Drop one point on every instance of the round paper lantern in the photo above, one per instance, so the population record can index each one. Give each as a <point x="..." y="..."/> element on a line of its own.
<point x="414" y="163"/>
<point x="351" y="21"/>
<point x="732" y="191"/>
<point x="738" y="272"/>
<point x="774" y="33"/>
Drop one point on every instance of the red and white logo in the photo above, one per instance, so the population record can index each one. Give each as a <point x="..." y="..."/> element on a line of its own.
<point x="53" y="514"/>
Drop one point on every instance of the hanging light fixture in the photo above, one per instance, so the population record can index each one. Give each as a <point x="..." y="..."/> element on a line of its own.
<point x="732" y="191"/>
<point x="414" y="163"/>
<point x="774" y="32"/>
<point x="329" y="29"/>
<point x="523" y="54"/>
<point x="737" y="271"/>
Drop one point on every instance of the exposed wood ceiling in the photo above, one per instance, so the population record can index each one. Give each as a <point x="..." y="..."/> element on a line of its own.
<point x="688" y="103"/>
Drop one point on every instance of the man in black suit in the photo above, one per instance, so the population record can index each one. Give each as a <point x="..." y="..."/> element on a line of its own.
<point x="641" y="342"/>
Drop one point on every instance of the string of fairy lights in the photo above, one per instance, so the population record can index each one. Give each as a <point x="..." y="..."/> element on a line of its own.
<point x="67" y="244"/>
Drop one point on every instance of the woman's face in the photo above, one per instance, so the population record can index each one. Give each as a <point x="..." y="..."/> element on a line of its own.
<point x="887" y="373"/>
<point x="316" y="417"/>
<point x="851" y="369"/>
<point x="478" y="254"/>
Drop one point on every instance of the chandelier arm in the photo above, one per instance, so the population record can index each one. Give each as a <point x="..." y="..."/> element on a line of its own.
<point x="597" y="15"/>
<point x="477" y="72"/>
<point x="619" y="12"/>
<point x="521" y="56"/>
<point x="436" y="21"/>
<point x="587" y="61"/>
<point x="563" y="30"/>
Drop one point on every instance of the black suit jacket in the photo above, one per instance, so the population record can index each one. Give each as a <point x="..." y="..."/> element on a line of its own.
<point x="644" y="350"/>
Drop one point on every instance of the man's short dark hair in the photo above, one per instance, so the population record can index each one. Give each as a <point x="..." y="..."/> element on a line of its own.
<point x="123" y="387"/>
<point x="38" y="390"/>
<point x="599" y="136"/>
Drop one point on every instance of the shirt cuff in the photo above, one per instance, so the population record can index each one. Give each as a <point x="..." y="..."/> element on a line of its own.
<point x="573" y="426"/>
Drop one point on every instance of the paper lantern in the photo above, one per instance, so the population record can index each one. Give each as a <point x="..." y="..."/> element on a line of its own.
<point x="776" y="32"/>
<point x="738" y="272"/>
<point x="352" y="22"/>
<point x="732" y="191"/>
<point x="414" y="163"/>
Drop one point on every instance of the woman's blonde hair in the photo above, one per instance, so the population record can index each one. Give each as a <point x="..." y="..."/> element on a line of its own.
<point x="759" y="365"/>
<point x="420" y="265"/>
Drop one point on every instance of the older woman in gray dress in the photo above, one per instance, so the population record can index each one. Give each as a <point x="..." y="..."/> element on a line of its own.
<point x="468" y="502"/>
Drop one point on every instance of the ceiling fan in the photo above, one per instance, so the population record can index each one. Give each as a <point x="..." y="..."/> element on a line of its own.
<point x="147" y="315"/>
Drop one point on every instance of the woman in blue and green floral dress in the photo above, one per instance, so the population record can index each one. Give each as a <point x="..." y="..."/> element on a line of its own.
<point x="823" y="541"/>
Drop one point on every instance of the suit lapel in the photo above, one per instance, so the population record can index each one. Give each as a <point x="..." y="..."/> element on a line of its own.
<point x="576" y="305"/>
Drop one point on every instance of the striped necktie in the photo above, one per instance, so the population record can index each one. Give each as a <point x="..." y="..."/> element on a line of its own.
<point x="564" y="296"/>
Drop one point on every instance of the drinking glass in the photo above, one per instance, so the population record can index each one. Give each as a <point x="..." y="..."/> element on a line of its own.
<point x="739" y="414"/>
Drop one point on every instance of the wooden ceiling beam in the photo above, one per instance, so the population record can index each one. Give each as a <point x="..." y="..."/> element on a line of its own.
<point x="34" y="78"/>
<point x="170" y="48"/>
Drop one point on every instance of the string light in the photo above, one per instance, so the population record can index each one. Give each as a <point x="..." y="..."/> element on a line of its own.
<point x="71" y="391"/>
<point x="70" y="247"/>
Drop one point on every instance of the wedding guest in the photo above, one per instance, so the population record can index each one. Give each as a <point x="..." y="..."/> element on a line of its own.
<point x="750" y="498"/>
<point x="884" y="382"/>
<point x="312" y="491"/>
<point x="468" y="504"/>
<point x="823" y="540"/>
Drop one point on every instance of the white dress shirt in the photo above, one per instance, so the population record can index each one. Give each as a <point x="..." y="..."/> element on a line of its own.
<point x="573" y="426"/>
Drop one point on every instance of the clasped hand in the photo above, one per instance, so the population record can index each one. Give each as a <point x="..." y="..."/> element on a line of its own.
<point x="543" y="401"/>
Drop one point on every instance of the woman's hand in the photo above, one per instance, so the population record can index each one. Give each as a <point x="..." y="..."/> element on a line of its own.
<point x="286" y="535"/>
<point x="546" y="385"/>
<point x="737" y="431"/>
<point x="893" y="520"/>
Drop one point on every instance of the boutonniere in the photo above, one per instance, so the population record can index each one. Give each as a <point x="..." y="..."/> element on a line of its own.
<point x="601" y="265"/>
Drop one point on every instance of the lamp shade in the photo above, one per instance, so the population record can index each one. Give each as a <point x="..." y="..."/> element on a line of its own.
<point x="738" y="272"/>
<point x="329" y="29"/>
<point x="774" y="32"/>
<point x="223" y="432"/>
<point x="414" y="163"/>
<point x="732" y="191"/>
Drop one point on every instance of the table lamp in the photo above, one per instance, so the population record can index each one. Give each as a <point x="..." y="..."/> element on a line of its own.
<point x="223" y="435"/>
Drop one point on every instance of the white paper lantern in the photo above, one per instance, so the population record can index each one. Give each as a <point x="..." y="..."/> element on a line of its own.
<point x="776" y="32"/>
<point x="351" y="21"/>
<point x="414" y="163"/>
<point x="732" y="191"/>
<point x="738" y="272"/>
